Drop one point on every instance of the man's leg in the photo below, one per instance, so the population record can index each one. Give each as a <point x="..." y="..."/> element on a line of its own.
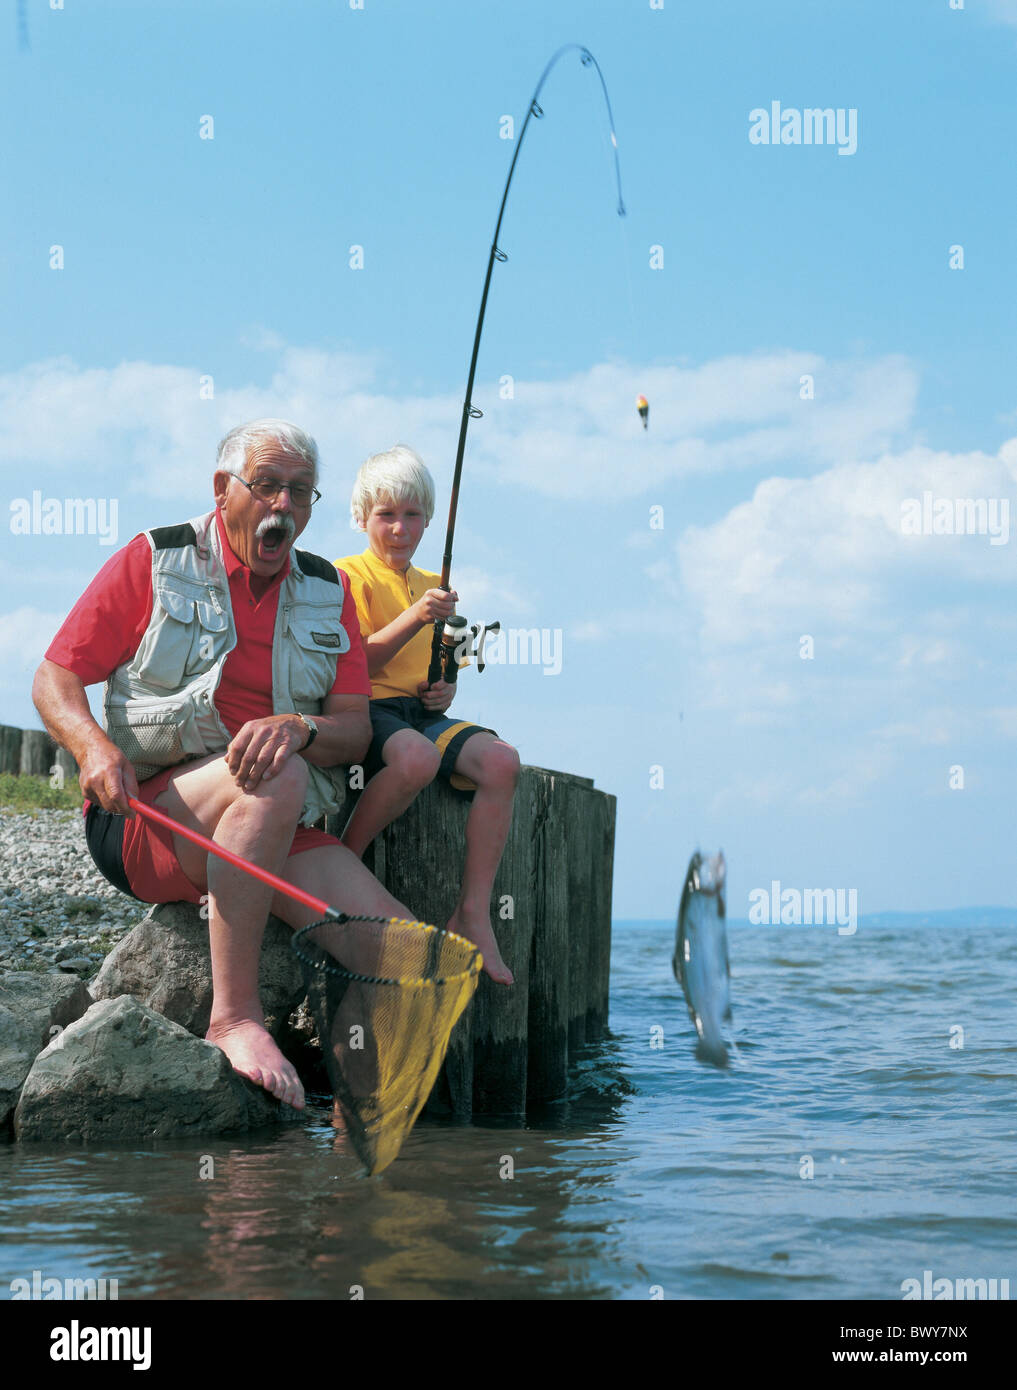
<point x="258" y="825"/>
<point x="334" y="874"/>
<point x="494" y="766"/>
<point x="411" y="762"/>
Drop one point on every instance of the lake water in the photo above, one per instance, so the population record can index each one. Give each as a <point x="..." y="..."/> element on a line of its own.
<point x="658" y="1175"/>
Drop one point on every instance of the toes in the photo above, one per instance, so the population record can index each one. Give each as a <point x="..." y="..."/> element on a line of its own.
<point x="294" y="1092"/>
<point x="502" y="976"/>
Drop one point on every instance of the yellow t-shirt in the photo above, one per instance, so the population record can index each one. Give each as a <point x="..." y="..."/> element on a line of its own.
<point x="381" y="595"/>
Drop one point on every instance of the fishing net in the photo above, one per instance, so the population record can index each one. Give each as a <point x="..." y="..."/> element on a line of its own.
<point x="385" y="995"/>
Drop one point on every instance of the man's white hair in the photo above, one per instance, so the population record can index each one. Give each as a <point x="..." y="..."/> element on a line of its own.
<point x="397" y="476"/>
<point x="232" y="453"/>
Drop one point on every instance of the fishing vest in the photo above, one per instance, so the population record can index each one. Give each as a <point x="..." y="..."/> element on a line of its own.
<point x="159" y="706"/>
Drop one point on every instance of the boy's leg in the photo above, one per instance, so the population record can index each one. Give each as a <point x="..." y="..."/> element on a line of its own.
<point x="411" y="762"/>
<point x="494" y="766"/>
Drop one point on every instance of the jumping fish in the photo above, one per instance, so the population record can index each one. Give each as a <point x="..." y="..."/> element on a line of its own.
<point x="700" y="960"/>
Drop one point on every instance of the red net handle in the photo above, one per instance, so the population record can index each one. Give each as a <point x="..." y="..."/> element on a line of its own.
<point x="255" y="870"/>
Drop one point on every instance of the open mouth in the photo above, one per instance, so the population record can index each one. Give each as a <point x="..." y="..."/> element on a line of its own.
<point x="273" y="542"/>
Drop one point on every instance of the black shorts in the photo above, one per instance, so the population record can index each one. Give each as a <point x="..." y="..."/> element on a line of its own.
<point x="104" y="835"/>
<point x="449" y="736"/>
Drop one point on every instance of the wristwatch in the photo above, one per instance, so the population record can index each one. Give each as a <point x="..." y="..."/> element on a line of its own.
<point x="312" y="731"/>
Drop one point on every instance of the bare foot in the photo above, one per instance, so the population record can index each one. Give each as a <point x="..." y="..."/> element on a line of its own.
<point x="253" y="1053"/>
<point x="479" y="931"/>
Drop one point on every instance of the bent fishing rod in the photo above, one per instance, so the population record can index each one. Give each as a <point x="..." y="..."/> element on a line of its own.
<point x="444" y="662"/>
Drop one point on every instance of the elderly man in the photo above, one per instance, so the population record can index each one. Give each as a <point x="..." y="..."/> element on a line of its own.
<point x="235" y="684"/>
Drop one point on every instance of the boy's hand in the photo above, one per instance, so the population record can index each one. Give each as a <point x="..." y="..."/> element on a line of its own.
<point x="435" y="604"/>
<point x="436" y="697"/>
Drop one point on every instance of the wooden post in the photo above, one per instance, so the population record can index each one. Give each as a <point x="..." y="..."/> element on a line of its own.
<point x="551" y="911"/>
<point x="66" y="764"/>
<point x="10" y="749"/>
<point x="500" y="1012"/>
<point x="602" y="874"/>
<point x="37" y="753"/>
<point x="553" y="825"/>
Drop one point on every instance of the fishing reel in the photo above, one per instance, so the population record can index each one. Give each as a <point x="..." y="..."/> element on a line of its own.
<point x="455" y="645"/>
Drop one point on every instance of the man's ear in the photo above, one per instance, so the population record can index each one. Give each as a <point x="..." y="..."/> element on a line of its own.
<point x="221" y="482"/>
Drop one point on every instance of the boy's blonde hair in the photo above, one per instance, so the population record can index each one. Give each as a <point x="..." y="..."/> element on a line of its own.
<point x="397" y="476"/>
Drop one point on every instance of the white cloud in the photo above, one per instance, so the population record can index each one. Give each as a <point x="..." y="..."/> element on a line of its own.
<point x="25" y="634"/>
<point x="1003" y="11"/>
<point x="581" y="437"/>
<point x="830" y="548"/>
<point x="145" y="424"/>
<point x="485" y="596"/>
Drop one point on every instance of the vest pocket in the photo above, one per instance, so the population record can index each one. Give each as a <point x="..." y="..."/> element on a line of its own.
<point x="155" y="738"/>
<point x="186" y="638"/>
<point x="318" y="638"/>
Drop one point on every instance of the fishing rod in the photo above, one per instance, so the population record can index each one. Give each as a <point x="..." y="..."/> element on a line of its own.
<point x="470" y="411"/>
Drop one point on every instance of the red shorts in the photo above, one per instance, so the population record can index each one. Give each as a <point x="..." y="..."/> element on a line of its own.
<point x="147" y="860"/>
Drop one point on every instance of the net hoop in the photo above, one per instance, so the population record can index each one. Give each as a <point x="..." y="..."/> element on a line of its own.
<point x="330" y="966"/>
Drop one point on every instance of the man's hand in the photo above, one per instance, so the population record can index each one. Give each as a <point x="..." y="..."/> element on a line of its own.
<point x="436" y="697"/>
<point x="435" y="604"/>
<point x="104" y="774"/>
<point x="261" y="747"/>
<point x="107" y="777"/>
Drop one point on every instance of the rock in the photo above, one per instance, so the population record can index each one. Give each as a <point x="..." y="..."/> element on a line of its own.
<point x="123" y="1073"/>
<point x="91" y="906"/>
<point x="73" y="963"/>
<point x="165" y="963"/>
<point x="32" y="1005"/>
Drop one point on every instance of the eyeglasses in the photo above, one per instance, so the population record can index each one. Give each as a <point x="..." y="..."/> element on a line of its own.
<point x="267" y="489"/>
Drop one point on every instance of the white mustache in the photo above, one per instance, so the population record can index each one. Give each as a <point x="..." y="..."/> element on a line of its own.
<point x="282" y="522"/>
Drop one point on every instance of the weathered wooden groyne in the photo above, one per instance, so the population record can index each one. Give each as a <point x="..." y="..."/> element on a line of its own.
<point x="33" y="753"/>
<point x="551" y="910"/>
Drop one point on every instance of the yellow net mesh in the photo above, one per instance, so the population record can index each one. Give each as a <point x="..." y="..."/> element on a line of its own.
<point x="385" y="996"/>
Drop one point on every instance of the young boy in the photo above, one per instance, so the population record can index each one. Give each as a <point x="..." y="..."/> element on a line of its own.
<point x="393" y="501"/>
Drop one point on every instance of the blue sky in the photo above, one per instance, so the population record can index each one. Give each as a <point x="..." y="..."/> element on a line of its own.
<point x="229" y="258"/>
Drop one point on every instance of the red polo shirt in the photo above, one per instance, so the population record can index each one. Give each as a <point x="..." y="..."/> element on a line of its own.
<point x="104" y="629"/>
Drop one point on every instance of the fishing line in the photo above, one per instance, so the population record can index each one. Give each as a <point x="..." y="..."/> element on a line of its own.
<point x="609" y="143"/>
